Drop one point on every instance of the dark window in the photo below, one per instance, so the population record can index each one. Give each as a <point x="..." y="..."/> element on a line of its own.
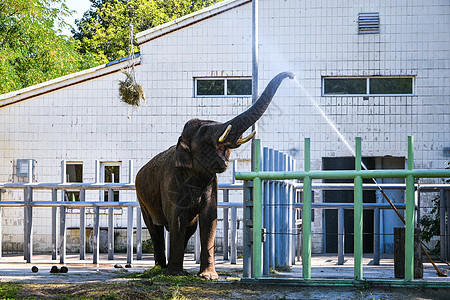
<point x="345" y="86"/>
<point x="223" y="87"/>
<point x="210" y="87"/>
<point x="238" y="87"/>
<point x="74" y="173"/>
<point x="366" y="86"/>
<point x="112" y="174"/>
<point x="391" y="86"/>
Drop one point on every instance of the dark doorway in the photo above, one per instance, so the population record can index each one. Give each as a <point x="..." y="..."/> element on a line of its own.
<point x="331" y="216"/>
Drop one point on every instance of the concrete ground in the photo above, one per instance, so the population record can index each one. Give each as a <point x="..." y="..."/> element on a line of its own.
<point x="13" y="267"/>
<point x="83" y="276"/>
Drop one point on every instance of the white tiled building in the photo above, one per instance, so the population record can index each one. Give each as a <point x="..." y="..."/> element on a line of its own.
<point x="80" y="118"/>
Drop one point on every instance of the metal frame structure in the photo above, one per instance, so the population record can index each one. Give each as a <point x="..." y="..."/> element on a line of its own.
<point x="253" y="208"/>
<point x="59" y="245"/>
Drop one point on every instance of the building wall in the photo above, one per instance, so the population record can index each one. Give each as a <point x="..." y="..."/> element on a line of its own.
<point x="320" y="38"/>
<point x="87" y="121"/>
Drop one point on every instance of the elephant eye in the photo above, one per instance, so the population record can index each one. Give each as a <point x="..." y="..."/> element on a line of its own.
<point x="202" y="131"/>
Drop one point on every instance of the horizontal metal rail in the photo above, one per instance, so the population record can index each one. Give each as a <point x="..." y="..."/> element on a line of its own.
<point x="348" y="174"/>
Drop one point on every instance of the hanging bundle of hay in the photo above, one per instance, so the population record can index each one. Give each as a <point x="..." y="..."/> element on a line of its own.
<point x="131" y="92"/>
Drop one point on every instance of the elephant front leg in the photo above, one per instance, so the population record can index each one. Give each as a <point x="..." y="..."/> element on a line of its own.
<point x="176" y="253"/>
<point x="207" y="264"/>
<point x="208" y="224"/>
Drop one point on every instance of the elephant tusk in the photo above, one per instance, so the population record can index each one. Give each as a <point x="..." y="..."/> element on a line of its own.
<point x="245" y="140"/>
<point x="225" y="134"/>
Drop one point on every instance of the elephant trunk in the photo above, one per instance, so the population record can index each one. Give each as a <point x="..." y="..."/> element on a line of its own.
<point x="242" y="122"/>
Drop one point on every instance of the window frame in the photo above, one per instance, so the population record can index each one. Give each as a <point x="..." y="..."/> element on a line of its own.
<point x="368" y="94"/>
<point x="225" y="87"/>
<point x="73" y="193"/>
<point x="104" y="193"/>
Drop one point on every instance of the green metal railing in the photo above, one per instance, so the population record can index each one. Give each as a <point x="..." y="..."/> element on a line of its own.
<point x="357" y="175"/>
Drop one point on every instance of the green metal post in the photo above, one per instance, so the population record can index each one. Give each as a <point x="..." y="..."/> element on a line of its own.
<point x="409" y="217"/>
<point x="358" y="213"/>
<point x="306" y="222"/>
<point x="257" y="232"/>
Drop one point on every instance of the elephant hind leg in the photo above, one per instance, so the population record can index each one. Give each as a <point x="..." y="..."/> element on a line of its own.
<point x="159" y="245"/>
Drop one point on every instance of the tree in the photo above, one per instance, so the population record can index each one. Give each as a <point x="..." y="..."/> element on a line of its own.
<point x="104" y="29"/>
<point x="31" y="51"/>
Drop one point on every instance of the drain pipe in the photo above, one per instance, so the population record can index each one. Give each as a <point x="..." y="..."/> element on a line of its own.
<point x="254" y="72"/>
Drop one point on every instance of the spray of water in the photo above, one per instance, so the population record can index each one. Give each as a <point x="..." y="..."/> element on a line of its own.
<point x="333" y="126"/>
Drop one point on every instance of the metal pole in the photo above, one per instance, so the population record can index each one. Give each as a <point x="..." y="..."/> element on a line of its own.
<point x="95" y="235"/>
<point x="110" y="226"/>
<point x="130" y="172"/>
<point x="306" y="222"/>
<point x="62" y="234"/>
<point x="442" y="224"/>
<point x="376" y="237"/>
<point x="197" y="245"/>
<point x="254" y="69"/>
<point x="266" y="214"/>
<point x="82" y="226"/>
<point x="409" y="216"/>
<point x="54" y="226"/>
<point x="248" y="223"/>
<point x="358" y="216"/>
<point x="272" y="219"/>
<point x="233" y="234"/>
<point x="29" y="216"/>
<point x="225" y="225"/>
<point x="130" y="235"/>
<point x="257" y="230"/>
<point x="340" y="236"/>
<point x="277" y="212"/>
<point x="138" y="233"/>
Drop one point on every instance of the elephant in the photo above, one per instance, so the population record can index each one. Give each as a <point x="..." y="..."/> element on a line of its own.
<point x="178" y="187"/>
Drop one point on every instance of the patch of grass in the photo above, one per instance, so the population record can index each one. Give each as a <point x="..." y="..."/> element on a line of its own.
<point x="9" y="290"/>
<point x="158" y="275"/>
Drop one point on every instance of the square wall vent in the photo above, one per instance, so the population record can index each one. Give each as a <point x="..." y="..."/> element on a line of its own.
<point x="368" y="23"/>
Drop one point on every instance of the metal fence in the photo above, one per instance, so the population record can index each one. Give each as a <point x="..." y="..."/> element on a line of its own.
<point x="60" y="247"/>
<point x="253" y="204"/>
<point x="280" y="217"/>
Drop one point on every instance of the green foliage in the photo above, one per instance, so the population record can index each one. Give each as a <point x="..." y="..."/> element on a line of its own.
<point x="104" y="29"/>
<point x="431" y="223"/>
<point x="147" y="246"/>
<point x="32" y="50"/>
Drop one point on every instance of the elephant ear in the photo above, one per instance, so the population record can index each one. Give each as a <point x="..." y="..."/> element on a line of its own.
<point x="183" y="156"/>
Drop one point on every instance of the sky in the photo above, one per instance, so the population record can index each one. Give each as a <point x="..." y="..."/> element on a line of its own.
<point x="80" y="6"/>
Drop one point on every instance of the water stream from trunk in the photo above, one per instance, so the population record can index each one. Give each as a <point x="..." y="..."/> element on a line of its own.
<point x="333" y="126"/>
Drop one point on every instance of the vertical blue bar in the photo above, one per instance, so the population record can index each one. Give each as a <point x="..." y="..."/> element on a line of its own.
<point x="277" y="222"/>
<point x="283" y="216"/>
<point x="289" y="215"/>
<point x="271" y="236"/>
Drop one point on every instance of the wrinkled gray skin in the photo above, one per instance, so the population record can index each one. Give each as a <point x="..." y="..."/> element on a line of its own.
<point x="178" y="187"/>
